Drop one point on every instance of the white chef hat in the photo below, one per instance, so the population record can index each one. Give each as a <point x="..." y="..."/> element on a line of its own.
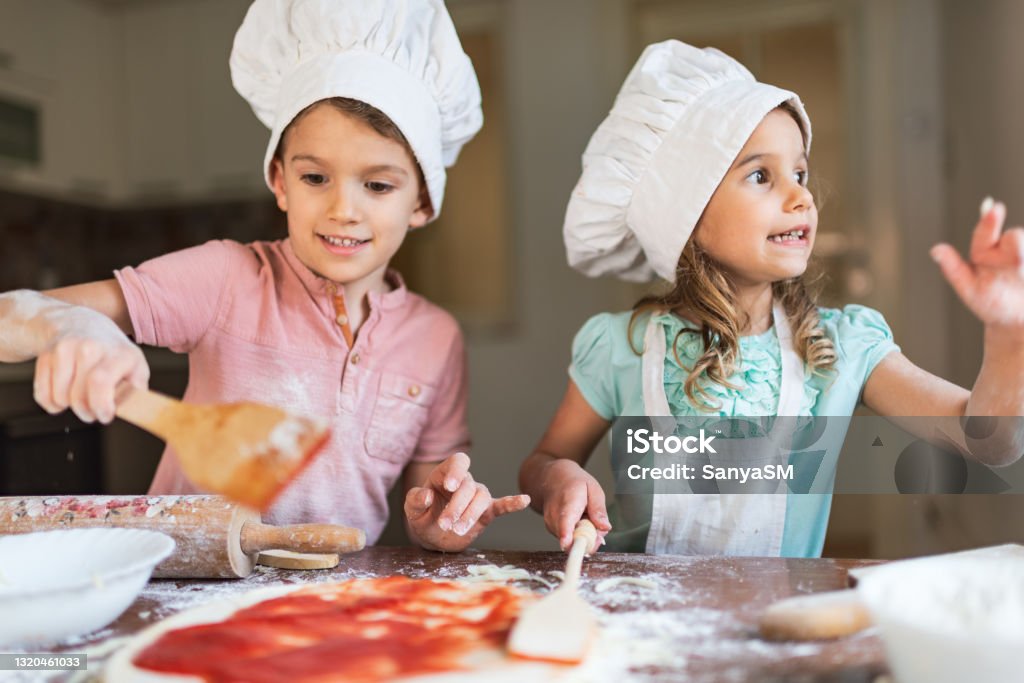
<point x="402" y="57"/>
<point x="680" y="119"/>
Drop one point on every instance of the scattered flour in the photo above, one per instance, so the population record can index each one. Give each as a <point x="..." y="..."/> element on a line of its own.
<point x="505" y="574"/>
<point x="616" y="581"/>
<point x="286" y="438"/>
<point x="651" y="627"/>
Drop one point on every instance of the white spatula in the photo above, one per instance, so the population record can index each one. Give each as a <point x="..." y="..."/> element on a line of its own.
<point x="560" y="626"/>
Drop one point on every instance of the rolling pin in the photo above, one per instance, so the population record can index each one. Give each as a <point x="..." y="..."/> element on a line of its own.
<point x="214" y="538"/>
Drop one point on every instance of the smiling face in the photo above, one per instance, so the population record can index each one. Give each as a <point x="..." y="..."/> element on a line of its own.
<point x="761" y="222"/>
<point x="351" y="195"/>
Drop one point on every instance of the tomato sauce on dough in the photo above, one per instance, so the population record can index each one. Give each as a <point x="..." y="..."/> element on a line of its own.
<point x="359" y="630"/>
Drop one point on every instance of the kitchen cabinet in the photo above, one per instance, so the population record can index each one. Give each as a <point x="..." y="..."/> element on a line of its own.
<point x="135" y="100"/>
<point x="43" y="454"/>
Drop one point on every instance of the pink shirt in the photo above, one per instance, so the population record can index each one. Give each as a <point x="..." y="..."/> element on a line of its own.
<point x="258" y="325"/>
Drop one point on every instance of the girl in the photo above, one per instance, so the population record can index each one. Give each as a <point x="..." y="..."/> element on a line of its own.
<point x="367" y="102"/>
<point x="699" y="175"/>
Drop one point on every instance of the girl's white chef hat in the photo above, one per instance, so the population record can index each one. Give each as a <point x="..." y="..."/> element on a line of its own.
<point x="401" y="56"/>
<point x="680" y="119"/>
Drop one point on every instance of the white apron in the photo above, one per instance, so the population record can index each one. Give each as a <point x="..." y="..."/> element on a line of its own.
<point x="720" y="523"/>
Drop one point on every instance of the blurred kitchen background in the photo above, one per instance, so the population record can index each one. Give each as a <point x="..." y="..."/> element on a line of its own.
<point x="121" y="138"/>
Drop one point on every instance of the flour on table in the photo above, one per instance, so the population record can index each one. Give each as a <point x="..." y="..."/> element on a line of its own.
<point x="504" y="574"/>
<point x="616" y="581"/>
<point x="651" y="627"/>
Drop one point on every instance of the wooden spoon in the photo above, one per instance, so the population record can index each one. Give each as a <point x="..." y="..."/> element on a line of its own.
<point x="245" y="451"/>
<point x="559" y="626"/>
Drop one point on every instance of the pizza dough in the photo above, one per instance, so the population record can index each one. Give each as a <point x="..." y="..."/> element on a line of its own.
<point x="392" y="628"/>
<point x="286" y="559"/>
<point x="616" y="581"/>
<point x="492" y="573"/>
<point x="818" y="616"/>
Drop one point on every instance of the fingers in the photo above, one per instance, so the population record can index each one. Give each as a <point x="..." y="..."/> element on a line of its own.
<point x="597" y="513"/>
<point x="62" y="373"/>
<point x="507" y="504"/>
<point x="991" y="245"/>
<point x="468" y="505"/>
<point x="102" y="383"/>
<point x="458" y="503"/>
<point x="418" y="501"/>
<point x="42" y="385"/>
<point x="596" y="510"/>
<point x="87" y="357"/>
<point x="476" y="509"/>
<point x="139" y="377"/>
<point x="449" y="475"/>
<point x="95" y="390"/>
<point x="84" y="375"/>
<point x="1013" y="244"/>
<point x="986" y="232"/>
<point x="957" y="271"/>
<point x="570" y="514"/>
<point x="573" y="498"/>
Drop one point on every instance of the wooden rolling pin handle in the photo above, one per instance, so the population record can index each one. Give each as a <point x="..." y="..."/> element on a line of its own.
<point x="585" y="529"/>
<point x="584" y="537"/>
<point x="301" y="538"/>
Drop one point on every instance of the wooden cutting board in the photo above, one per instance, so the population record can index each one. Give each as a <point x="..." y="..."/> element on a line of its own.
<point x="214" y="538"/>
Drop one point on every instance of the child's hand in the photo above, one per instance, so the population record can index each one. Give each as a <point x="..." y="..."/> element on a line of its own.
<point x="451" y="509"/>
<point x="992" y="284"/>
<point x="569" y="491"/>
<point x="84" y="365"/>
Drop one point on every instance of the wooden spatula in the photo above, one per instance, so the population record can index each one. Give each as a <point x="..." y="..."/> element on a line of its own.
<point x="560" y="626"/>
<point x="245" y="451"/>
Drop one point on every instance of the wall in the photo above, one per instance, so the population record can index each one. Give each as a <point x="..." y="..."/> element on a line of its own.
<point x="556" y="101"/>
<point x="982" y="58"/>
<point x="65" y="56"/>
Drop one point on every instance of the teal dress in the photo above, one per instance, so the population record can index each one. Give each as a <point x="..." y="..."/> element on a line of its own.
<point x="607" y="372"/>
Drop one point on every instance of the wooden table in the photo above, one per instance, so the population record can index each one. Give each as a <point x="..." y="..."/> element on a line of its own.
<point x="704" y="610"/>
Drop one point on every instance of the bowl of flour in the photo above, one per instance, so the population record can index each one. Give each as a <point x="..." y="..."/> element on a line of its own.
<point x="67" y="583"/>
<point x="949" y="621"/>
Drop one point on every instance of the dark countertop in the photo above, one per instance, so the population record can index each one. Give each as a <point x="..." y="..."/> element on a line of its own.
<point x="700" y="621"/>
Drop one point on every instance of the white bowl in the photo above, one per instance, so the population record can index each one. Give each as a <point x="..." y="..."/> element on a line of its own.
<point x="58" y="584"/>
<point x="950" y="621"/>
